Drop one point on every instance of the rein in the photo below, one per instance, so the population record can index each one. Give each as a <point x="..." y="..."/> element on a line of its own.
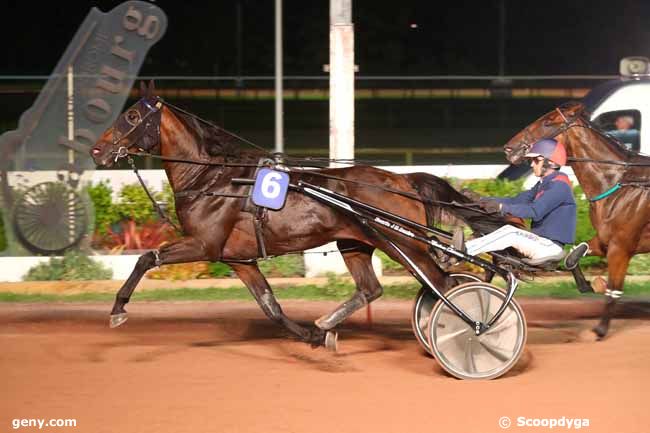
<point x="156" y="206"/>
<point x="139" y="120"/>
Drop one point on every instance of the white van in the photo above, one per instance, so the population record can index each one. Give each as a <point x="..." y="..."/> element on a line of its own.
<point x="620" y="107"/>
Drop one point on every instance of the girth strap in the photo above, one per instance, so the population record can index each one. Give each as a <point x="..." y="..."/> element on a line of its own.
<point x="259" y="219"/>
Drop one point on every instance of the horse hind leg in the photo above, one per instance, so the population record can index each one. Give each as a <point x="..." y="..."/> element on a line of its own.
<point x="618" y="260"/>
<point x="358" y="259"/>
<point x="251" y="276"/>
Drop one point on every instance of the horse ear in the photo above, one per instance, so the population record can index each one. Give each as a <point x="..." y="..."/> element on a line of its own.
<point x="575" y="107"/>
<point x="151" y="90"/>
<point x="143" y="89"/>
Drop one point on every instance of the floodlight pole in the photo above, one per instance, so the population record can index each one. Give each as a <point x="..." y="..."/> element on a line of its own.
<point x="70" y="116"/>
<point x="341" y="70"/>
<point x="279" y="91"/>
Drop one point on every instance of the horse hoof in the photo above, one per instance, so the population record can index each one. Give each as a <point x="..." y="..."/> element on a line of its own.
<point x="331" y="341"/>
<point x="117" y="319"/>
<point x="599" y="285"/>
<point x="600" y="332"/>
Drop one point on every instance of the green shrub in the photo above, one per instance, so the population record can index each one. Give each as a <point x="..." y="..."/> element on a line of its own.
<point x="167" y="197"/>
<point x="337" y="287"/>
<point x="219" y="270"/>
<point x="639" y="265"/>
<point x="3" y="239"/>
<point x="584" y="229"/>
<point x="73" y="266"/>
<point x="106" y="212"/>
<point x="388" y="265"/>
<point x="495" y="188"/>
<point x="135" y="204"/>
<point x="291" y="265"/>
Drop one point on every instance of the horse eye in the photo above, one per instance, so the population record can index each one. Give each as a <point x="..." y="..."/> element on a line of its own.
<point x="132" y="116"/>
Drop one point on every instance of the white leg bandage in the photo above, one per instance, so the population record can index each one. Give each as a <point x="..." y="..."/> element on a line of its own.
<point x="614" y="294"/>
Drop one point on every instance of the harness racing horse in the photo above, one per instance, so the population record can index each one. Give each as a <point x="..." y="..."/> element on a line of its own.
<point x="201" y="161"/>
<point x="617" y="183"/>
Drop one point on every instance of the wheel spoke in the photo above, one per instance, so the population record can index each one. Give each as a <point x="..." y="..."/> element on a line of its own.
<point x="452" y="335"/>
<point x="470" y="366"/>
<point x="501" y="354"/>
<point x="503" y="321"/>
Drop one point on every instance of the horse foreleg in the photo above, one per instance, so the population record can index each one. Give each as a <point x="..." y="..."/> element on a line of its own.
<point x="358" y="259"/>
<point x="251" y="276"/>
<point x="182" y="251"/>
<point x="618" y="259"/>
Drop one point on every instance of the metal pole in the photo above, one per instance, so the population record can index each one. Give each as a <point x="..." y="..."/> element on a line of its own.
<point x="70" y="112"/>
<point x="279" y="91"/>
<point x="341" y="80"/>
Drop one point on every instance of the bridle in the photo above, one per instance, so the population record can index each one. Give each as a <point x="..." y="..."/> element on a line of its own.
<point x="132" y="120"/>
<point x="567" y="123"/>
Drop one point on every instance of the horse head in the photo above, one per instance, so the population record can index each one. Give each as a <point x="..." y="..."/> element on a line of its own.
<point x="138" y="127"/>
<point x="550" y="125"/>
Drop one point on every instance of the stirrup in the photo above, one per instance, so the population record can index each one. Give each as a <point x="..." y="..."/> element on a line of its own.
<point x="573" y="258"/>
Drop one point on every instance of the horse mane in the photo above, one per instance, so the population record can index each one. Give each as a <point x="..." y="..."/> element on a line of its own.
<point x="439" y="196"/>
<point x="215" y="140"/>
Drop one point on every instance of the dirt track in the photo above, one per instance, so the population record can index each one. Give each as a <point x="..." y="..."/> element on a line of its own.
<point x="222" y="367"/>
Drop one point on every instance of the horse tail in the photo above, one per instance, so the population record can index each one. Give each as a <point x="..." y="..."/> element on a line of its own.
<point x="438" y="195"/>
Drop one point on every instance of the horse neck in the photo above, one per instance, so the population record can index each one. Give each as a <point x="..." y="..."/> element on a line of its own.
<point x="594" y="178"/>
<point x="177" y="141"/>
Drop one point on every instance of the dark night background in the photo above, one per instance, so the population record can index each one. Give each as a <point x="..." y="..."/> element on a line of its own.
<point x="459" y="37"/>
<point x="451" y="38"/>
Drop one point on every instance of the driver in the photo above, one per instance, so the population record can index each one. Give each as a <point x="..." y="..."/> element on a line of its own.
<point x="550" y="205"/>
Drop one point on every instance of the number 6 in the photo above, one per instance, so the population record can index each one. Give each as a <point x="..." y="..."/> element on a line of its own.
<point x="270" y="187"/>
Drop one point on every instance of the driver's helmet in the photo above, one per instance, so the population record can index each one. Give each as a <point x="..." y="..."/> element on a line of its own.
<point x="550" y="149"/>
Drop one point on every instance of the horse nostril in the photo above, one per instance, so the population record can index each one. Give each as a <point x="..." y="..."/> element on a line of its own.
<point x="508" y="149"/>
<point x="96" y="151"/>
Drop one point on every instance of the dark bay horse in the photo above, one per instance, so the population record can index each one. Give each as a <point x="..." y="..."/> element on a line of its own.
<point x="617" y="182"/>
<point x="200" y="163"/>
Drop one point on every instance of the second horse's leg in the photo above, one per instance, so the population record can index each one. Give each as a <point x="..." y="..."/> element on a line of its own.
<point x="251" y="276"/>
<point x="358" y="258"/>
<point x="182" y="251"/>
<point x="618" y="260"/>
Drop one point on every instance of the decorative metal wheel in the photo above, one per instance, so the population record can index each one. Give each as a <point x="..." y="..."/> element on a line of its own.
<point x="50" y="218"/>
<point x="459" y="350"/>
<point x="424" y="304"/>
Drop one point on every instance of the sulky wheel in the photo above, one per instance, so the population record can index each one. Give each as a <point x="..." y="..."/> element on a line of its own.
<point x="454" y="343"/>
<point x="424" y="303"/>
<point x="49" y="218"/>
